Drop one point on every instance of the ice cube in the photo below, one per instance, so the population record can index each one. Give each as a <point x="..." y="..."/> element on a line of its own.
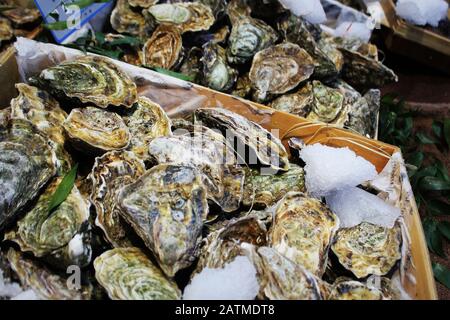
<point x="330" y="169"/>
<point x="354" y="205"/>
<point x="422" y="12"/>
<point x="356" y="30"/>
<point x="236" y="281"/>
<point x="311" y="10"/>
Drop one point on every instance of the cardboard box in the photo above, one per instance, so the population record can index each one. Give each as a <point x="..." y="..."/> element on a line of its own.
<point x="178" y="97"/>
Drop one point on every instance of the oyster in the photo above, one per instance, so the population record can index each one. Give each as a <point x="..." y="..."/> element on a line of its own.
<point x="6" y="31"/>
<point x="27" y="162"/>
<point x="45" y="284"/>
<point x="20" y="16"/>
<point x="125" y="20"/>
<point x="127" y="274"/>
<point x="332" y="52"/>
<point x="45" y="234"/>
<point x="265" y="190"/>
<point x="146" y="121"/>
<point x="295" y="30"/>
<point x="263" y="146"/>
<point x="218" y="7"/>
<point x="248" y="36"/>
<point x="282" y="279"/>
<point x="192" y="66"/>
<point x="217" y="74"/>
<point x="237" y="10"/>
<point x="243" y="87"/>
<point x="365" y="73"/>
<point x="303" y="230"/>
<point x="298" y="103"/>
<point x="279" y="69"/>
<point x="166" y="207"/>
<point x="142" y="3"/>
<point x="328" y="104"/>
<point x="223" y="245"/>
<point x="207" y="151"/>
<point x="347" y="289"/>
<point x="109" y="174"/>
<point x="164" y="48"/>
<point x="189" y="16"/>
<point x="93" y="130"/>
<point x="368" y="249"/>
<point x="90" y="79"/>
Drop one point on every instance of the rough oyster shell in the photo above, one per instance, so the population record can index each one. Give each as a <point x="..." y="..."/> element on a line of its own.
<point x="27" y="162"/>
<point x="332" y="52"/>
<point x="192" y="66"/>
<point x="248" y="36"/>
<point x="125" y="20"/>
<point x="146" y="121"/>
<point x="45" y="234"/>
<point x="142" y="3"/>
<point x="109" y="174"/>
<point x="45" y="284"/>
<point x="189" y="16"/>
<point x="243" y="87"/>
<point x="266" y="190"/>
<point x="6" y="31"/>
<point x="328" y="104"/>
<point x="20" y="15"/>
<point x="368" y="249"/>
<point x="265" y="147"/>
<point x="166" y="207"/>
<point x="207" y="151"/>
<point x="127" y="274"/>
<point x="298" y="103"/>
<point x="164" y="48"/>
<point x="217" y="74"/>
<point x="303" y="230"/>
<point x="218" y="7"/>
<point x="347" y="289"/>
<point x="237" y="10"/>
<point x="93" y="130"/>
<point x="279" y="69"/>
<point x="282" y="279"/>
<point x="90" y="79"/>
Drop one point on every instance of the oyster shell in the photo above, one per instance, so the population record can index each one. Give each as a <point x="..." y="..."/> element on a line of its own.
<point x="265" y="147"/>
<point x="192" y="66"/>
<point x="218" y="7"/>
<point x="127" y="274"/>
<point x="243" y="87"/>
<point x="146" y="121"/>
<point x="109" y="174"/>
<point x="43" y="282"/>
<point x="248" y="36"/>
<point x="207" y="151"/>
<point x="282" y="279"/>
<point x="328" y="104"/>
<point x="368" y="249"/>
<point x="166" y="207"/>
<point x="142" y="3"/>
<point x="332" y="52"/>
<point x="279" y="69"/>
<point x="125" y="20"/>
<point x="164" y="48"/>
<point x="303" y="230"/>
<point x="217" y="74"/>
<point x="27" y="162"/>
<point x="265" y="190"/>
<point x="20" y="16"/>
<point x="46" y="234"/>
<point x="295" y="30"/>
<point x="189" y="16"/>
<point x="237" y="10"/>
<point x="298" y="103"/>
<point x="6" y="31"/>
<point x="90" y="79"/>
<point x="93" y="130"/>
<point x="347" y="289"/>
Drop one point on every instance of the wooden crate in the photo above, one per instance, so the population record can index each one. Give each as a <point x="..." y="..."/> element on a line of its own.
<point x="172" y="93"/>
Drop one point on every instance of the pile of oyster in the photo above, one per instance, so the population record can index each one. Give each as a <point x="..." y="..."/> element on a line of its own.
<point x="16" y="20"/>
<point x="157" y="200"/>
<point x="260" y="51"/>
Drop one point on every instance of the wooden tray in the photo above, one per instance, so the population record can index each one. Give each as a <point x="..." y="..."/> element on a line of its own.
<point x="170" y="93"/>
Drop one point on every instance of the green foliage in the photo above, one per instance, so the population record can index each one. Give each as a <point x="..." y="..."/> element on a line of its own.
<point x="429" y="177"/>
<point x="63" y="190"/>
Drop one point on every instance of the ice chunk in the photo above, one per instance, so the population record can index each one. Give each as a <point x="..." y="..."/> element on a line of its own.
<point x="311" y="10"/>
<point x="421" y="12"/>
<point x="358" y="30"/>
<point x="8" y="289"/>
<point x="354" y="205"/>
<point x="330" y="169"/>
<point x="236" y="281"/>
<point x="26" y="295"/>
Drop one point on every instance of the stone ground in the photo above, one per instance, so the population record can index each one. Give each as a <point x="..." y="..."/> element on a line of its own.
<point x="426" y="90"/>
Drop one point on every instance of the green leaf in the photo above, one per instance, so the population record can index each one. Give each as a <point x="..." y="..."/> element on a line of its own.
<point x="437" y="128"/>
<point x="58" y="25"/>
<point x="447" y="131"/>
<point x="434" y="184"/>
<point x="425" y="139"/>
<point x="438" y="207"/>
<point x="172" y="74"/>
<point x="444" y="228"/>
<point x="125" y="40"/>
<point x="442" y="171"/>
<point x="442" y="274"/>
<point x="63" y="190"/>
<point x="433" y="236"/>
<point x="416" y="159"/>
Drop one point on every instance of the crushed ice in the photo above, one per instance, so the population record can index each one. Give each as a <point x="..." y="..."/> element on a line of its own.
<point x="311" y="10"/>
<point x="422" y="12"/>
<point x="236" y="281"/>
